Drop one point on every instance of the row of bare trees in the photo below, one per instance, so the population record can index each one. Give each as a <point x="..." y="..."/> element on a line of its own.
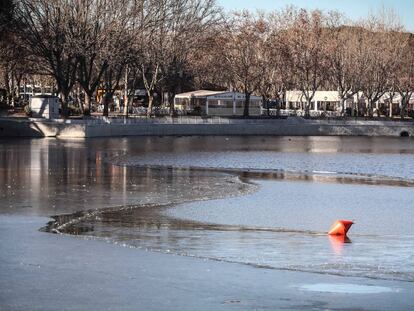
<point x="296" y="49"/>
<point x="169" y="46"/>
<point x="102" y="43"/>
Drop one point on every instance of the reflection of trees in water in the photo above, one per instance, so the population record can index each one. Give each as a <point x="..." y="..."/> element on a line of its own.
<point x="55" y="176"/>
<point x="52" y="175"/>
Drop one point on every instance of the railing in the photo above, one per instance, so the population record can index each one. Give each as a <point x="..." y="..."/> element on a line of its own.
<point x="96" y="120"/>
<point x="299" y="113"/>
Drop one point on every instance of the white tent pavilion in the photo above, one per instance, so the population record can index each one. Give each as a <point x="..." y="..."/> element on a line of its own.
<point x="322" y="100"/>
<point x="216" y="103"/>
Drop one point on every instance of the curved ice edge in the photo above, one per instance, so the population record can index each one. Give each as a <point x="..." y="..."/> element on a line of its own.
<point x="94" y="213"/>
<point x="338" y="177"/>
<point x="57" y="226"/>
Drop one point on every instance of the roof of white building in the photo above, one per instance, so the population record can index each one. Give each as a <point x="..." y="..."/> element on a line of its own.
<point x="199" y="93"/>
<point x="218" y="95"/>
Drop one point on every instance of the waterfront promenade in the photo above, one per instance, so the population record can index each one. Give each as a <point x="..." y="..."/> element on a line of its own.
<point x="188" y="126"/>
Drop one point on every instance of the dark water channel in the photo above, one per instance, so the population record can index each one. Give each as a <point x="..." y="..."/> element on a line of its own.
<point x="262" y="201"/>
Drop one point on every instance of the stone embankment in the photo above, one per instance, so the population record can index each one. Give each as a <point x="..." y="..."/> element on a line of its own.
<point x="185" y="126"/>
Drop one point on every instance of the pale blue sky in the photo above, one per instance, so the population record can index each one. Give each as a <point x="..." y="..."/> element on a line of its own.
<point x="354" y="9"/>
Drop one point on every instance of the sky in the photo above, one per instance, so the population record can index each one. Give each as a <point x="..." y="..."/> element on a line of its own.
<point x="354" y="9"/>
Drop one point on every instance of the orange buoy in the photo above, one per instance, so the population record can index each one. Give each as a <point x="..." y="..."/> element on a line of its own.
<point x="340" y="227"/>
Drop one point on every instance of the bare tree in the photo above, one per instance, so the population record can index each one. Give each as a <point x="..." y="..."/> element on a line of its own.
<point x="397" y="43"/>
<point x="405" y="74"/>
<point x="269" y="69"/>
<point x="178" y="28"/>
<point x="344" y="58"/>
<point x="277" y="75"/>
<point x="206" y="63"/>
<point x="242" y="64"/>
<point x="193" y="23"/>
<point x="90" y="34"/>
<point x="117" y="63"/>
<point x="14" y="59"/>
<point x="153" y="43"/>
<point x="46" y="33"/>
<point x="103" y="27"/>
<point x="306" y="43"/>
<point x="381" y="45"/>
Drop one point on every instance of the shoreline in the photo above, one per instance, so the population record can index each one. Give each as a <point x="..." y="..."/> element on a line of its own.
<point x="197" y="126"/>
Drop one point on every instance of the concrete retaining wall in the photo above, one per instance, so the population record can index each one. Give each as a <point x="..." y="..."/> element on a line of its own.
<point x="156" y="127"/>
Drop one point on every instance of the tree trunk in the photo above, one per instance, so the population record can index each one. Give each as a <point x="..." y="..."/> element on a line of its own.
<point x="150" y="101"/>
<point x="126" y="104"/>
<point x="402" y="110"/>
<point x="370" y="111"/>
<point x="126" y="100"/>
<point x="246" y="104"/>
<point x="18" y="82"/>
<point x="106" y="101"/>
<point x="7" y="86"/>
<point x="171" y="103"/>
<point x="88" y="102"/>
<point x="390" y="112"/>
<point x="357" y="106"/>
<point x="24" y="90"/>
<point x="12" y="89"/>
<point x="343" y="107"/>
<point x="281" y="102"/>
<point x="79" y="101"/>
<point x="307" y="107"/>
<point x="266" y="101"/>
<point x="64" y="95"/>
<point x="278" y="107"/>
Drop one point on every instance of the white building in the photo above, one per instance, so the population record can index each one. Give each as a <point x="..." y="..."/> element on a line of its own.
<point x="218" y="103"/>
<point x="321" y="101"/>
<point x="329" y="102"/>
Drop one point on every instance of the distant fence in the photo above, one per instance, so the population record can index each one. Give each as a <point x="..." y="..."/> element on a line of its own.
<point x="299" y="113"/>
<point x="161" y="120"/>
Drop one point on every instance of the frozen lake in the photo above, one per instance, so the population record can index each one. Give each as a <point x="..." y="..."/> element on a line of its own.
<point x="262" y="201"/>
